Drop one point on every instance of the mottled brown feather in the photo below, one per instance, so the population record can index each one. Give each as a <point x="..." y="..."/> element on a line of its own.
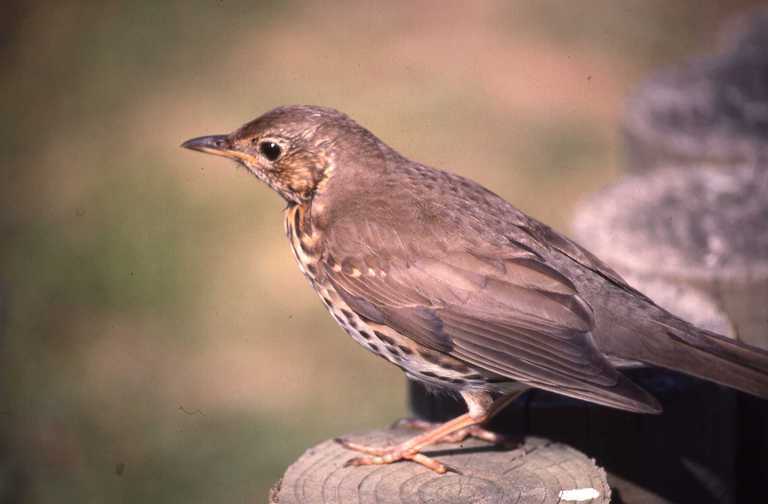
<point x="517" y="317"/>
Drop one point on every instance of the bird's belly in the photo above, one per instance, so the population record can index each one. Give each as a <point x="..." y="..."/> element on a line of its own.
<point x="418" y="362"/>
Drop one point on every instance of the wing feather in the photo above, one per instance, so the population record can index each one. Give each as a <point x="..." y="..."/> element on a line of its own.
<point x="501" y="309"/>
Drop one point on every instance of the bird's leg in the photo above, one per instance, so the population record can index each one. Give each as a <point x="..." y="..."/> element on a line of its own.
<point x="481" y="408"/>
<point x="473" y="431"/>
<point x="410" y="449"/>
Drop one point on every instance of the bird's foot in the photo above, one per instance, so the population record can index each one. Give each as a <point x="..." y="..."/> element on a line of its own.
<point x="410" y="449"/>
<point x="473" y="431"/>
<point x="376" y="455"/>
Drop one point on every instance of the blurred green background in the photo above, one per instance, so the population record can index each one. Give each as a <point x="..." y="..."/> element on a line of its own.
<point x="157" y="342"/>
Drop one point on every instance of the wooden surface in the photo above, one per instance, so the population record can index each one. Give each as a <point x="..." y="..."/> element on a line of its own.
<point x="539" y="472"/>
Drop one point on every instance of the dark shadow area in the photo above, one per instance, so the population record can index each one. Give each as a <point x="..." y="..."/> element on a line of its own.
<point x="707" y="447"/>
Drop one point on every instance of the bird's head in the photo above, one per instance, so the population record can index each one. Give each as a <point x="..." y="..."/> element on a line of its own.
<point x="290" y="148"/>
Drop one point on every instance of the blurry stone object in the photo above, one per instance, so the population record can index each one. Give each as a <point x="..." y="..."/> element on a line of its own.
<point x="695" y="241"/>
<point x="712" y="110"/>
<point x="745" y="32"/>
<point x="539" y="471"/>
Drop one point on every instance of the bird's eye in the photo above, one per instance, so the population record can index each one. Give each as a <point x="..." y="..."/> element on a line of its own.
<point x="270" y="150"/>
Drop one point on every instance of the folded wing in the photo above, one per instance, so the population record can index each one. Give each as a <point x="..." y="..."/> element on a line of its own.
<point x="503" y="309"/>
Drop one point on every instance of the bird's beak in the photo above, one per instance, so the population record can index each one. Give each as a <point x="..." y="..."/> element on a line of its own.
<point x="218" y="145"/>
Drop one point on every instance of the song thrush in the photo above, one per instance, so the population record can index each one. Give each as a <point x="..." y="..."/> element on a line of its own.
<point x="457" y="287"/>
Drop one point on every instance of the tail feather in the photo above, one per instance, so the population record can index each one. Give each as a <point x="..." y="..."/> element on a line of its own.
<point x="667" y="341"/>
<point x="719" y="359"/>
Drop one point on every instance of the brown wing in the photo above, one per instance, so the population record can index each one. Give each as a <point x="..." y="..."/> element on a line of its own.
<point x="578" y="254"/>
<point x="504" y="310"/>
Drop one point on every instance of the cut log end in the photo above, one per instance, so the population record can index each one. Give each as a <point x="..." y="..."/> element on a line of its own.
<point x="538" y="471"/>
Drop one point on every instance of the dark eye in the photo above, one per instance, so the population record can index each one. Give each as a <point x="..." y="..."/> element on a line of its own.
<point x="270" y="150"/>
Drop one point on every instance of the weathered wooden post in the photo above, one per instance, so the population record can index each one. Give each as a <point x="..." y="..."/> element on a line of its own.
<point x="539" y="472"/>
<point x="690" y="228"/>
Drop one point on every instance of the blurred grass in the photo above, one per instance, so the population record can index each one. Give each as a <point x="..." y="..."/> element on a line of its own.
<point x="157" y="341"/>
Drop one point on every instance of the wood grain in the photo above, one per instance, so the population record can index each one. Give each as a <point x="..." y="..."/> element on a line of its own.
<point x="534" y="473"/>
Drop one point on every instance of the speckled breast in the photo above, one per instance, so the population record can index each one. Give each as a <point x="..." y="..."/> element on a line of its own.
<point x="418" y="362"/>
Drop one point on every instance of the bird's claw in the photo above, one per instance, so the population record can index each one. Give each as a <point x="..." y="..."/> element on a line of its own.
<point x="368" y="450"/>
<point x="375" y="455"/>
<point x="395" y="456"/>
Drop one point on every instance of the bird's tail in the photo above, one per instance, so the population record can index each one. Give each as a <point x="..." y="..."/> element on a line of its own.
<point x="667" y="341"/>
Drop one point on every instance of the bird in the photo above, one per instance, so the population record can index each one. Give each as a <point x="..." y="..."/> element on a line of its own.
<point x="457" y="287"/>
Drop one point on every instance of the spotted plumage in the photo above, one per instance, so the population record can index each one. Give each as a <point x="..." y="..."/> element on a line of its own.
<point x="457" y="287"/>
<point x="418" y="363"/>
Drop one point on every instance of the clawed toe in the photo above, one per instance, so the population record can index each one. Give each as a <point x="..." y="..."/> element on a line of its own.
<point x="410" y="450"/>
<point x="375" y="455"/>
<point x="457" y="429"/>
<point x="395" y="456"/>
<point x="357" y="461"/>
<point x="368" y="450"/>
